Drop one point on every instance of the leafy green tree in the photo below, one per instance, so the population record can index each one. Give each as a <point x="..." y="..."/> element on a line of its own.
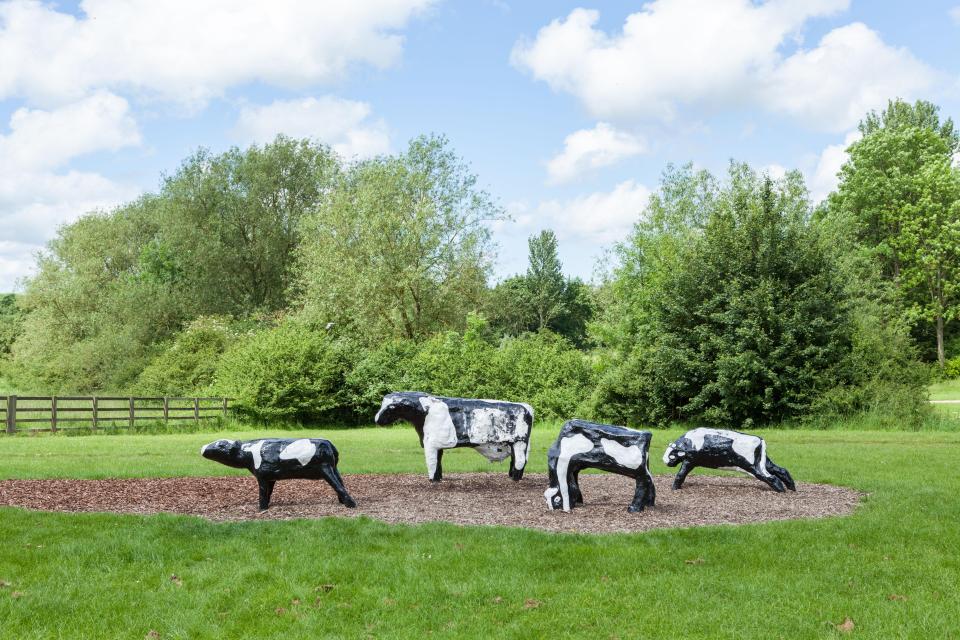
<point x="11" y="322"/>
<point x="542" y="298"/>
<point x="900" y="193"/>
<point x="741" y="318"/>
<point x="400" y="248"/>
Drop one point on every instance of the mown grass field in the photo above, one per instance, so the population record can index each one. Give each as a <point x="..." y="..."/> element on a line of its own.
<point x="892" y="568"/>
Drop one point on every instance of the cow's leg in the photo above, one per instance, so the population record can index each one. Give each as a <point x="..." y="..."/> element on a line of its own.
<point x="518" y="459"/>
<point x="781" y="473"/>
<point x="332" y="476"/>
<point x="433" y="455"/>
<point x="685" y="468"/>
<point x="266" y="490"/>
<point x="650" y="498"/>
<point x="639" y="494"/>
<point x="576" y="496"/>
<point x="775" y="483"/>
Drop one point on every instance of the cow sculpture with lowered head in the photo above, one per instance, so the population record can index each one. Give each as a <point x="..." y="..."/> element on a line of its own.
<point x="495" y="429"/>
<point x="275" y="459"/>
<point x="588" y="445"/>
<point x="722" y="449"/>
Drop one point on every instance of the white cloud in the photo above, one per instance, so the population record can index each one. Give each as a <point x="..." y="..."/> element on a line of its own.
<point x="588" y="149"/>
<point x="35" y="197"/>
<point x="47" y="139"/>
<point x="849" y="73"/>
<point x="711" y="55"/>
<point x="345" y="125"/>
<point x="188" y="51"/>
<point x="600" y="217"/>
<point x="955" y="14"/>
<point x="824" y="178"/>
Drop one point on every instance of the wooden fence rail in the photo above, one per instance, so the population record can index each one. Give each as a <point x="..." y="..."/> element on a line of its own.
<point x="103" y="412"/>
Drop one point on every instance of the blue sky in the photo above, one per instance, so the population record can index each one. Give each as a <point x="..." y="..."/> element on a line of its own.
<point x="567" y="111"/>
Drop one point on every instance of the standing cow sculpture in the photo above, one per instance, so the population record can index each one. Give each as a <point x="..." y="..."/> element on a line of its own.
<point x="496" y="429"/>
<point x="722" y="449"/>
<point x="588" y="445"/>
<point x="275" y="459"/>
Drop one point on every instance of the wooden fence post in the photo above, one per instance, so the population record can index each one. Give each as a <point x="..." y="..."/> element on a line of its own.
<point x="166" y="409"/>
<point x="93" y="400"/>
<point x="196" y="409"/>
<point x="131" y="412"/>
<point x="53" y="414"/>
<point x="224" y="407"/>
<point x="11" y="414"/>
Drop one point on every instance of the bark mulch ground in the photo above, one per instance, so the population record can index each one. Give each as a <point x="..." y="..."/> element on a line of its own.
<point x="465" y="499"/>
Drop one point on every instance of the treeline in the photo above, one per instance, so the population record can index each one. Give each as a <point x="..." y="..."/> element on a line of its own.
<point x="307" y="288"/>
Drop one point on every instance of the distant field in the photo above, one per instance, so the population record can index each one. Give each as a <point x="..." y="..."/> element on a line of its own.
<point x="892" y="567"/>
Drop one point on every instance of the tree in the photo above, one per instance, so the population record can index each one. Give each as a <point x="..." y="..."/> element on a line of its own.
<point x="11" y="322"/>
<point x="899" y="191"/>
<point x="400" y="248"/>
<point x="542" y="298"/>
<point x="741" y="318"/>
<point x="545" y="283"/>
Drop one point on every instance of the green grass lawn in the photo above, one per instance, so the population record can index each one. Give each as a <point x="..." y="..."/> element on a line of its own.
<point x="892" y="568"/>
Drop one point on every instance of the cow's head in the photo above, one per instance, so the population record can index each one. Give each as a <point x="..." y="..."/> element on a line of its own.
<point x="674" y="454"/>
<point x="404" y="405"/>
<point x="226" y="452"/>
<point x="553" y="498"/>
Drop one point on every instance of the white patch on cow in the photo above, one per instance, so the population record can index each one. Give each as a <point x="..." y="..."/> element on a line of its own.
<point x="301" y="450"/>
<point x="494" y="452"/>
<point x="569" y="447"/>
<point x="549" y="494"/>
<point x="254" y="449"/>
<point x="520" y="454"/>
<point x="387" y="401"/>
<point x="630" y="457"/>
<point x="666" y="454"/>
<point x="438" y="431"/>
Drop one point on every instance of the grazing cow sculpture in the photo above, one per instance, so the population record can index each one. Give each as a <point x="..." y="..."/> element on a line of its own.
<point x="495" y="429"/>
<point x="588" y="445"/>
<point x="722" y="449"/>
<point x="275" y="459"/>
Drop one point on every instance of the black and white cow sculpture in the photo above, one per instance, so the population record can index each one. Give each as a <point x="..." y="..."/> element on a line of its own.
<point x="588" y="445"/>
<point x="722" y="449"/>
<point x="496" y="429"/>
<point x="274" y="459"/>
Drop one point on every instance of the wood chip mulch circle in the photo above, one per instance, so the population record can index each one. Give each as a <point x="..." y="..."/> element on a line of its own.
<point x="462" y="498"/>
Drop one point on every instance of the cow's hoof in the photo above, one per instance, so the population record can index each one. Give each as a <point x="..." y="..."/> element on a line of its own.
<point x="434" y="479"/>
<point x="348" y="502"/>
<point x="634" y="508"/>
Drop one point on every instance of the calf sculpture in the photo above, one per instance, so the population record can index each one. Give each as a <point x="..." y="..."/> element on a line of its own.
<point x="588" y="445"/>
<point x="495" y="429"/>
<point x="275" y="459"/>
<point x="722" y="449"/>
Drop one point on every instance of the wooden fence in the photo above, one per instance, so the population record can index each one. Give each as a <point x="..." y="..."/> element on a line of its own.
<point x="56" y="413"/>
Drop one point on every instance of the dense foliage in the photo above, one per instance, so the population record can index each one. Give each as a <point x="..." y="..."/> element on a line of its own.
<point x="307" y="287"/>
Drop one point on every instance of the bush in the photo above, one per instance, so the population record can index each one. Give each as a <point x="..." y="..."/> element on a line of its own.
<point x="290" y="372"/>
<point x="375" y="373"/>
<point x="188" y="365"/>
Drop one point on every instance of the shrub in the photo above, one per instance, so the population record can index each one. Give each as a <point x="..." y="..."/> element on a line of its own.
<point x="375" y="373"/>
<point x="187" y="366"/>
<point x="289" y="372"/>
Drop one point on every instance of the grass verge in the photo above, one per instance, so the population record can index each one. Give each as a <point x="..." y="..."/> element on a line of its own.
<point x="892" y="568"/>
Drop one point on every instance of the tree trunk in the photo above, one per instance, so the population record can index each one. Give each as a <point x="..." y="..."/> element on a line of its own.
<point x="940" y="354"/>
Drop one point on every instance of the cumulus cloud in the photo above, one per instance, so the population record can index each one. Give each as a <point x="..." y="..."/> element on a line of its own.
<point x="345" y="125"/>
<point x="850" y="72"/>
<point x="955" y="14"/>
<point x="589" y="149"/>
<point x="674" y="53"/>
<point x="188" y="51"/>
<point x="36" y="193"/>
<point x="824" y="177"/>
<point x="601" y="217"/>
